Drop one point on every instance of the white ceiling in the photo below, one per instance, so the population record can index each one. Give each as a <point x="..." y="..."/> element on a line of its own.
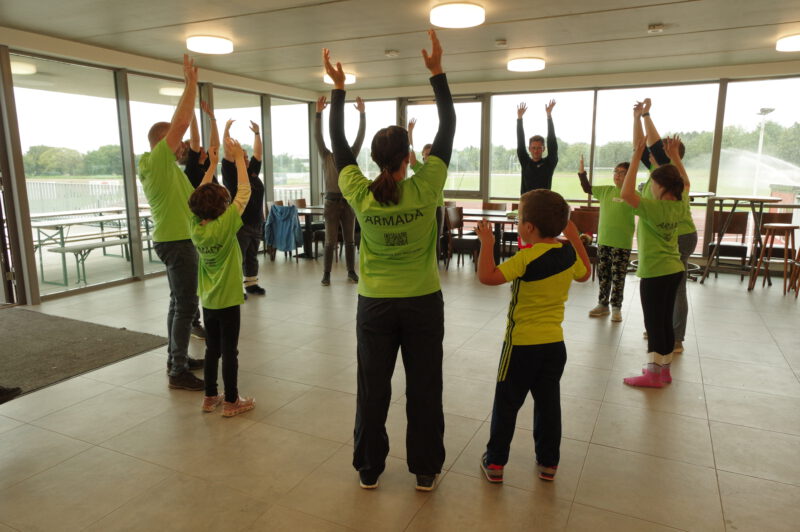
<point x="279" y="41"/>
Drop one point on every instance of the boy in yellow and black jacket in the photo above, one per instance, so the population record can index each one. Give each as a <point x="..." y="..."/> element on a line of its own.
<point x="534" y="354"/>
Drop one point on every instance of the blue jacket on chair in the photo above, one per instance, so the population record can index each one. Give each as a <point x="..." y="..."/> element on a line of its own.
<point x="282" y="230"/>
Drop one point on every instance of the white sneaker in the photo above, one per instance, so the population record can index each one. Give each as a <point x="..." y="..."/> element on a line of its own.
<point x="599" y="310"/>
<point x="616" y="314"/>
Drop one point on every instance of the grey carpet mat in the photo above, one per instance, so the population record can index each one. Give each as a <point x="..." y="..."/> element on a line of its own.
<point x="38" y="349"/>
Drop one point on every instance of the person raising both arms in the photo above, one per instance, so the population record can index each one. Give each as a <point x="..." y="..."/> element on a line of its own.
<point x="400" y="303"/>
<point x="416" y="166"/>
<point x="537" y="170"/>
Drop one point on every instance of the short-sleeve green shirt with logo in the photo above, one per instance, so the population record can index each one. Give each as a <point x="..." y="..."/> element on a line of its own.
<point x="219" y="270"/>
<point x="167" y="190"/>
<point x="617" y="221"/>
<point x="657" y="236"/>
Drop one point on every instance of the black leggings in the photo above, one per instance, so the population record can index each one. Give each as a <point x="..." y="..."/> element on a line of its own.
<point x="658" y="302"/>
<point x="222" y="339"/>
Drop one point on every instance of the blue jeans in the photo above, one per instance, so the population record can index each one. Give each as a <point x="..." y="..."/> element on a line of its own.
<point x="180" y="258"/>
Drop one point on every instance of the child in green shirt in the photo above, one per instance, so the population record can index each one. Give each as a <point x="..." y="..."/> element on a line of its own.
<point x="214" y="226"/>
<point x="534" y="354"/>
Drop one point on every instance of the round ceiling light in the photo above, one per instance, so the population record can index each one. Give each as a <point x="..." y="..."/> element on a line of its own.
<point x="457" y="15"/>
<point x="206" y="44"/>
<point x="171" y="91"/>
<point x="526" y="64"/>
<point x="788" y="44"/>
<point x="21" y="68"/>
<point x="349" y="78"/>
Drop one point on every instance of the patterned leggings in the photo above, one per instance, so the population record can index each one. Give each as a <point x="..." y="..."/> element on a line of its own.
<point x="612" y="266"/>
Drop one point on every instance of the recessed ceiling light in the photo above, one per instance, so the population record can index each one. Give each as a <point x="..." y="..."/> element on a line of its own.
<point x="457" y="15"/>
<point x="349" y="78"/>
<point x="21" y="68"/>
<point x="788" y="44"/>
<point x="526" y="64"/>
<point x="206" y="44"/>
<point x="171" y="91"/>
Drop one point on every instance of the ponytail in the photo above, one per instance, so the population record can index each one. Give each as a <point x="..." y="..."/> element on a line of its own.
<point x="669" y="178"/>
<point x="389" y="150"/>
<point x="385" y="189"/>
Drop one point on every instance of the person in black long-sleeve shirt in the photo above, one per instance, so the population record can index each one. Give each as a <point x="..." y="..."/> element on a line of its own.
<point x="252" y="230"/>
<point x="537" y="171"/>
<point x="400" y="302"/>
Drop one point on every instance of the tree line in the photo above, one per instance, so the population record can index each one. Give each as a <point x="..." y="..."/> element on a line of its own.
<point x="780" y="142"/>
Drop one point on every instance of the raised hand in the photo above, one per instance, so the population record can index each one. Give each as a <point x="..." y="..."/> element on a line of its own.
<point x="254" y="128"/>
<point x="581" y="169"/>
<point x="638" y="110"/>
<point x="322" y="103"/>
<point x="228" y="125"/>
<point x="672" y="147"/>
<point x="336" y="74"/>
<point x="646" y="105"/>
<point x="359" y="105"/>
<point x="433" y="62"/>
<point x="207" y="109"/>
<point x="411" y="124"/>
<point x="233" y="149"/>
<point x="549" y="107"/>
<point x="189" y="70"/>
<point x="521" y="108"/>
<point x="213" y="156"/>
<point x="485" y="233"/>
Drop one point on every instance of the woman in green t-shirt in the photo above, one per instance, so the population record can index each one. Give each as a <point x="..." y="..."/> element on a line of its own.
<point x="660" y="267"/>
<point x="399" y="298"/>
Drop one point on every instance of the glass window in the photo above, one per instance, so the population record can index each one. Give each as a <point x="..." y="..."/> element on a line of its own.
<point x="463" y="173"/>
<point x="73" y="167"/>
<point x="379" y="114"/>
<point x="151" y="100"/>
<point x="572" y="122"/>
<point x="242" y="107"/>
<point x="290" y="147"/>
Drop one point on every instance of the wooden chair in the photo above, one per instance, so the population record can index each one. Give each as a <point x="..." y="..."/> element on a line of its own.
<point x="509" y="237"/>
<point x="489" y="206"/>
<point x="737" y="249"/>
<point x="786" y="231"/>
<point x="457" y="241"/>
<point x="586" y="221"/>
<point x="300" y="203"/>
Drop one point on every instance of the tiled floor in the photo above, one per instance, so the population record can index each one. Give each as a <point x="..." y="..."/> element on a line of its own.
<point x="115" y="449"/>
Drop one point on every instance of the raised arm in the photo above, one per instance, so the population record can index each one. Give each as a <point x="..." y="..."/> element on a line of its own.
<point x="412" y="156"/>
<point x="488" y="272"/>
<point x="194" y="135"/>
<point x="362" y="126"/>
<point x="649" y="126"/>
<point x="628" y="192"/>
<point x="571" y="232"/>
<point x="443" y="141"/>
<point x="214" y="140"/>
<point x="258" y="149"/>
<point x="233" y="148"/>
<point x="322" y="103"/>
<point x="522" y="148"/>
<point x="585" y="185"/>
<point x="552" y="142"/>
<point x="184" y="112"/>
<point x="342" y="154"/>
<point x="225" y="136"/>
<point x="672" y="149"/>
<point x="213" y="159"/>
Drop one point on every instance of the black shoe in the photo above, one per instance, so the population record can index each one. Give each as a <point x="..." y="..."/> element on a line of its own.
<point x="426" y="482"/>
<point x="255" y="289"/>
<point x="245" y="296"/>
<point x="198" y="331"/>
<point x="7" y="394"/>
<point x="193" y="363"/>
<point x="186" y="381"/>
<point x="353" y="276"/>
<point x="326" y="279"/>
<point x="368" y="481"/>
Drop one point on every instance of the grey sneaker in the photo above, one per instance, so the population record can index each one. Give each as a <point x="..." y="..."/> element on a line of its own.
<point x="616" y="314"/>
<point x="599" y="310"/>
<point x="493" y="473"/>
<point x="426" y="482"/>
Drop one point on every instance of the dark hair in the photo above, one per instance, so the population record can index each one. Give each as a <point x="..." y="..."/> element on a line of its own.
<point x="670" y="179"/>
<point x="626" y="165"/>
<point x="389" y="149"/>
<point x="536" y="138"/>
<point x="546" y="210"/>
<point x="427" y="147"/>
<point x="157" y="132"/>
<point x="209" y="201"/>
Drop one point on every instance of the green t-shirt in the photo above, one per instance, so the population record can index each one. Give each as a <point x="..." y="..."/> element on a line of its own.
<point x="657" y="236"/>
<point x="167" y="190"/>
<point x="686" y="225"/>
<point x="617" y="222"/>
<point x="219" y="271"/>
<point x="416" y="167"/>
<point x="398" y="242"/>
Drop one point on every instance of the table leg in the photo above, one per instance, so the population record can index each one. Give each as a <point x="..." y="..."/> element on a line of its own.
<point x="719" y="238"/>
<point x="308" y="237"/>
<point x="757" y="217"/>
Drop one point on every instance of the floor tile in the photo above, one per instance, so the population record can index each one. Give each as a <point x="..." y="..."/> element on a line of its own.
<point x="323" y="413"/>
<point x="578" y="417"/>
<point x="753" y="504"/>
<point x="587" y="519"/>
<point x="757" y="453"/>
<point x="684" y="398"/>
<point x="750" y="377"/>
<point x="777" y="413"/>
<point x="281" y="519"/>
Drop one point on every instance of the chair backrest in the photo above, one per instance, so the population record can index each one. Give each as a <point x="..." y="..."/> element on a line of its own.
<point x="489" y="206"/>
<point x="449" y="203"/>
<point x="585" y="221"/>
<point x="300" y="203"/>
<point x="455" y="218"/>
<point x="738" y="224"/>
<point x="775" y="218"/>
<point x="515" y="206"/>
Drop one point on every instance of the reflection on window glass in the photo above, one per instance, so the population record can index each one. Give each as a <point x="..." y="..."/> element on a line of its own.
<point x="572" y="122"/>
<point x="73" y="167"/>
<point x="761" y="140"/>
<point x="464" y="169"/>
<point x="151" y="100"/>
<point x="290" y="143"/>
<point x="379" y="114"/>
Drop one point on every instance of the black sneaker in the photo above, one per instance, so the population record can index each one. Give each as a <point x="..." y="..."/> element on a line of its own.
<point x="353" y="276"/>
<point x="255" y="290"/>
<point x="186" y="381"/>
<point x="367" y="480"/>
<point x="193" y="363"/>
<point x="7" y="394"/>
<point x="198" y="331"/>
<point x="493" y="472"/>
<point x="426" y="482"/>
<point x="326" y="279"/>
